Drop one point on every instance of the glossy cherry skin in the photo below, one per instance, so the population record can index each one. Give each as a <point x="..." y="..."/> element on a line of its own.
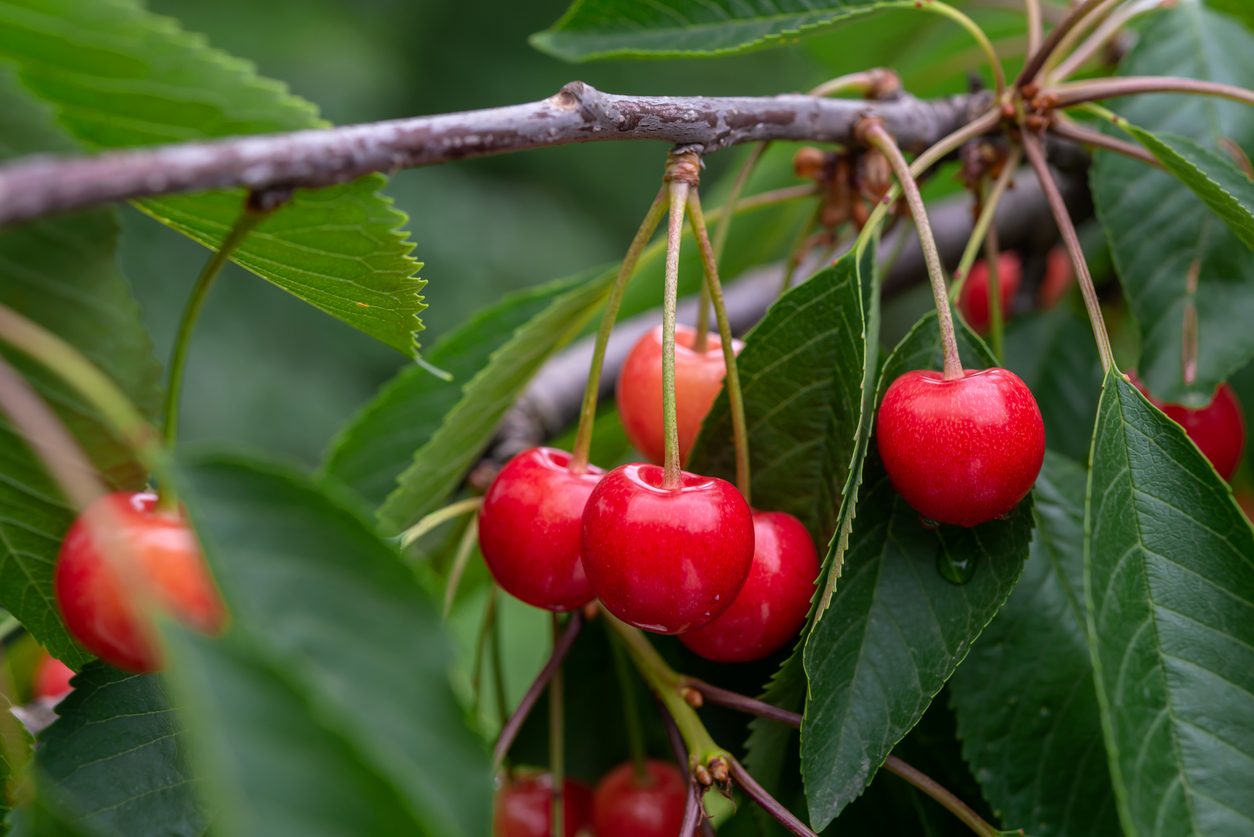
<point x="773" y="604"/>
<point x="698" y="379"/>
<point x="666" y="560"/>
<point x="1218" y="429"/>
<point x="621" y="807"/>
<point x="102" y="613"/>
<point x="52" y="678"/>
<point x="524" y="807"/>
<point x="973" y="301"/>
<point x="963" y="451"/>
<point x="529" y="529"/>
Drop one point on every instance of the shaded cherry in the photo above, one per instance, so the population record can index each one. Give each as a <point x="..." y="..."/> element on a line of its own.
<point x="52" y="677"/>
<point x="973" y="301"/>
<point x="524" y="807"/>
<point x="662" y="559"/>
<point x="1218" y="429"/>
<point x="623" y="806"/>
<point x="102" y="612"/>
<point x="529" y="529"/>
<point x="1059" y="277"/>
<point x="963" y="451"/>
<point x="773" y="604"/>
<point x="1245" y="500"/>
<point x="698" y="379"/>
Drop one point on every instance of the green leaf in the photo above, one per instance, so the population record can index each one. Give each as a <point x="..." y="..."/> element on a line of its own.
<point x="440" y="465"/>
<point x="120" y="77"/>
<point x="1025" y="700"/>
<point x="372" y="450"/>
<point x="62" y="274"/>
<point x="1226" y="189"/>
<point x="672" y="28"/>
<point x="1178" y="261"/>
<point x="1169" y="592"/>
<point x="330" y="626"/>
<point x="116" y="757"/>
<point x="896" y="629"/>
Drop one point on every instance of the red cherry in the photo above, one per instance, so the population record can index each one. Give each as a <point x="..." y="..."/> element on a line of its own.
<point x="662" y="559"/>
<point x="52" y="677"/>
<point x="529" y="529"/>
<point x="961" y="451"/>
<point x="102" y="612"/>
<point x="973" y="302"/>
<point x="698" y="379"/>
<point x="773" y="604"/>
<point x="1058" y="277"/>
<point x="623" y="807"/>
<point x="1218" y="429"/>
<point x="524" y="807"/>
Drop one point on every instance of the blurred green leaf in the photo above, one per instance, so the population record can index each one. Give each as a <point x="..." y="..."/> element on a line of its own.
<point x="671" y="28"/>
<point x="116" y="758"/>
<point x="119" y="77"/>
<point x="1169" y="592"/>
<point x="332" y="639"/>
<point x="373" y="449"/>
<point x="61" y="273"/>
<point x="1026" y="704"/>
<point x="896" y="628"/>
<point x="440" y="465"/>
<point x="1178" y="261"/>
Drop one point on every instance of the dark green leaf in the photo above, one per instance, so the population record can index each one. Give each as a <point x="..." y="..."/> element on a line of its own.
<point x="1169" y="591"/>
<point x="896" y="629"/>
<point x="119" y="76"/>
<point x="440" y="464"/>
<point x="372" y="450"/>
<point x="1026" y="705"/>
<point x="42" y="817"/>
<point x="1056" y="356"/>
<point x="1179" y="263"/>
<point x="116" y="757"/>
<point x="330" y="627"/>
<point x="624" y="28"/>
<point x="61" y="273"/>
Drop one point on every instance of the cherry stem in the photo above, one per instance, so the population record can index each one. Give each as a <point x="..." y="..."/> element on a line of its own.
<point x="1033" y="10"/>
<point x="1087" y="136"/>
<point x="1036" y="156"/>
<point x="1104" y="32"/>
<point x="985" y="222"/>
<point x="476" y="668"/>
<point x="877" y="136"/>
<point x="246" y="223"/>
<point x="1078" y="92"/>
<point x="561" y="647"/>
<point x="735" y="396"/>
<point x="680" y="750"/>
<point x="692" y="812"/>
<point x="431" y="521"/>
<point x="498" y="672"/>
<point x="973" y="28"/>
<point x="631" y="711"/>
<point x="767" y="802"/>
<point x="557" y="739"/>
<point x="672" y="475"/>
<point x="876" y="83"/>
<point x="742" y="703"/>
<point x="995" y="325"/>
<point x="465" y="548"/>
<point x="942" y="795"/>
<point x="1072" y="38"/>
<point x="796" y="253"/>
<point x="1036" y="60"/>
<point x="588" y="409"/>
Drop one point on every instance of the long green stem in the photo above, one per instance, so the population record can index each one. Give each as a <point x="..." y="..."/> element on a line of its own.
<point x="1077" y="92"/>
<point x="557" y="741"/>
<point x="1037" y="59"/>
<point x="1108" y="28"/>
<point x="247" y="222"/>
<point x="588" y="409"/>
<point x="1072" y="38"/>
<point x="481" y="642"/>
<point x="984" y="222"/>
<point x="740" y="432"/>
<point x="461" y="559"/>
<point x="631" y="710"/>
<point x="992" y="254"/>
<point x="675" y="227"/>
<point x="428" y="523"/>
<point x="942" y="795"/>
<point x="994" y="63"/>
<point x="877" y="136"/>
<point x="498" y="672"/>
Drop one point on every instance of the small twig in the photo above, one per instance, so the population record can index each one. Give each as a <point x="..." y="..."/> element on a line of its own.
<point x="1087" y="136"/>
<point x="1038" y="58"/>
<point x="1078" y="92"/>
<point x="767" y="802"/>
<point x="560" y="649"/>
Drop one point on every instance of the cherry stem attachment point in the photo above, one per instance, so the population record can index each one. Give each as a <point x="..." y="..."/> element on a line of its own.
<point x="878" y="137"/>
<point x="1036" y="156"/>
<point x="561" y="647"/>
<point x="431" y="521"/>
<point x="984" y="223"/>
<point x="678" y="191"/>
<point x="1036" y="60"/>
<point x="465" y="548"/>
<point x="557" y="740"/>
<point x="735" y="396"/>
<point x="588" y="409"/>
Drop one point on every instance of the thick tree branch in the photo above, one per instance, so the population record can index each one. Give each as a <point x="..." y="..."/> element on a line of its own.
<point x="38" y="186"/>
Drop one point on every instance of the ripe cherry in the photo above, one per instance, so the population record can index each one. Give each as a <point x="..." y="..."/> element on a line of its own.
<point x="52" y="678"/>
<point x="1059" y="277"/>
<point x="961" y="451"/>
<point x="102" y="611"/>
<point x="973" y="302"/>
<point x="529" y="529"/>
<point x="524" y="807"/>
<point x="624" y="806"/>
<point x="698" y="379"/>
<point x="773" y="604"/>
<point x="667" y="560"/>
<point x="1218" y="429"/>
